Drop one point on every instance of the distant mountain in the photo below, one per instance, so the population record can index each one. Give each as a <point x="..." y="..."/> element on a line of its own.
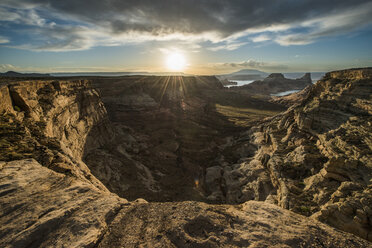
<point x="245" y="74"/>
<point x="250" y="72"/>
<point x="18" y="74"/>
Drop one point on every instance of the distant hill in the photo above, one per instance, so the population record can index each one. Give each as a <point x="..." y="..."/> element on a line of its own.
<point x="18" y="74"/>
<point x="245" y="74"/>
<point x="250" y="72"/>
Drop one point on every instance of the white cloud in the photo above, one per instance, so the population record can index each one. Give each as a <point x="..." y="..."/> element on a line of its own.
<point x="7" y="67"/>
<point x="261" y="38"/>
<point x="228" y="46"/>
<point x="3" y="40"/>
<point x="80" y="25"/>
<point x="248" y="64"/>
<point x="330" y="25"/>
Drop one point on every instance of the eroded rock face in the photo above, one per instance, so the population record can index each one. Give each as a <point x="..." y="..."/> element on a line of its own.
<point x="50" y="121"/>
<point x="300" y="160"/>
<point x="292" y="99"/>
<point x="317" y="155"/>
<point x="43" y="208"/>
<point x="167" y="132"/>
<point x="193" y="224"/>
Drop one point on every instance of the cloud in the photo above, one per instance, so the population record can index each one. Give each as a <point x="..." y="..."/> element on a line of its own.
<point x="55" y="25"/>
<point x="3" y="40"/>
<point x="261" y="38"/>
<point x="249" y="64"/>
<point x="328" y="26"/>
<point x="7" y="67"/>
<point x="230" y="46"/>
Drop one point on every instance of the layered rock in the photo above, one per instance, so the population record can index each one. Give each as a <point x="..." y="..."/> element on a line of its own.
<point x="276" y="83"/>
<point x="168" y="131"/>
<point x="314" y="159"/>
<point x="50" y="121"/>
<point x="43" y="208"/>
<point x="166" y="141"/>
<point x="292" y="99"/>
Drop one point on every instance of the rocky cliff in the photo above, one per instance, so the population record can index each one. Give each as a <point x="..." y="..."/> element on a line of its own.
<point x="50" y="121"/>
<point x="314" y="159"/>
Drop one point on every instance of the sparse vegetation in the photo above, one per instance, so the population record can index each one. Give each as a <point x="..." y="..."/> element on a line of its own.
<point x="16" y="108"/>
<point x="243" y="116"/>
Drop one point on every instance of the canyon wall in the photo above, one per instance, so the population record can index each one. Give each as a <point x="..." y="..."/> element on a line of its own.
<point x="50" y="121"/>
<point x="65" y="146"/>
<point x="314" y="159"/>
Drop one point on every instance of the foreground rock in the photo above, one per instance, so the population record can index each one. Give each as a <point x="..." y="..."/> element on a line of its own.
<point x="43" y="208"/>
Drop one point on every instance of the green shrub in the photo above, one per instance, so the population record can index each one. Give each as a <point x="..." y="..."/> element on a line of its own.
<point x="16" y="108"/>
<point x="305" y="209"/>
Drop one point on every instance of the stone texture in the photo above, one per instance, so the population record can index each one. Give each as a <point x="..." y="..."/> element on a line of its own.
<point x="318" y="154"/>
<point x="313" y="159"/>
<point x="193" y="224"/>
<point x="43" y="208"/>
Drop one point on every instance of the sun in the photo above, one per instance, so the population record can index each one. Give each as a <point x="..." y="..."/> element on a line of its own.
<point x="176" y="62"/>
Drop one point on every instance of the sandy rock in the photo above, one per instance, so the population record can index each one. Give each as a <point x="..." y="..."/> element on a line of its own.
<point x="42" y="208"/>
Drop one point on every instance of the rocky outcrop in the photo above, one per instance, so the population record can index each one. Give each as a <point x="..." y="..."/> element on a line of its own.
<point x="275" y="83"/>
<point x="314" y="159"/>
<point x="43" y="208"/>
<point x="292" y="99"/>
<point x="51" y="121"/>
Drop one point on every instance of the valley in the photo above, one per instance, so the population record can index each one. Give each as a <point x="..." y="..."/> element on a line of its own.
<point x="186" y="148"/>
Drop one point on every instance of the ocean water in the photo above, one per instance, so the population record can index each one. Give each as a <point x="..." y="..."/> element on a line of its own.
<point x="240" y="82"/>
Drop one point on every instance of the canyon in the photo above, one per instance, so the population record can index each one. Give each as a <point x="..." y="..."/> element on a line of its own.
<point x="181" y="161"/>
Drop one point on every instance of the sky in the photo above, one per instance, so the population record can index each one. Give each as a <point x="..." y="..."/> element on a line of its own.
<point x="212" y="36"/>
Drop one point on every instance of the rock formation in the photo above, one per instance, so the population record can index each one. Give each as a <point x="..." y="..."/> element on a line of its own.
<point x="314" y="159"/>
<point x="167" y="130"/>
<point x="71" y="153"/>
<point x="293" y="98"/>
<point x="44" y="208"/>
<point x="276" y="83"/>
